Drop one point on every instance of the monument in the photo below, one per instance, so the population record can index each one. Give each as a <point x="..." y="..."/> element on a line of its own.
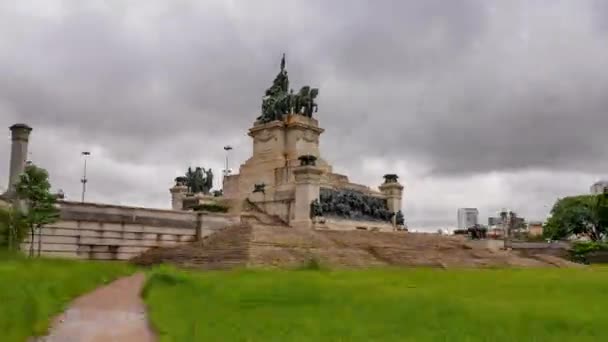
<point x="286" y="176"/>
<point x="192" y="189"/>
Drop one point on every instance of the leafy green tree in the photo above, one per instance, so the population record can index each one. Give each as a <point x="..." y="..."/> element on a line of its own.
<point x="33" y="188"/>
<point x="578" y="215"/>
<point x="13" y="228"/>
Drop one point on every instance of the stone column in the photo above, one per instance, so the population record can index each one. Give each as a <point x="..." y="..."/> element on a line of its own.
<point x="307" y="190"/>
<point x="393" y="190"/>
<point x="178" y="193"/>
<point x="20" y="134"/>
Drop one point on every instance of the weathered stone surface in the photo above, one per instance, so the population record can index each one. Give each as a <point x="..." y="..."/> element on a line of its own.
<point x="277" y="147"/>
<point x="97" y="231"/>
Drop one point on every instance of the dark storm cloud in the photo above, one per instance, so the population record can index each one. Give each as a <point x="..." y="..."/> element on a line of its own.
<point x="451" y="88"/>
<point x="517" y="87"/>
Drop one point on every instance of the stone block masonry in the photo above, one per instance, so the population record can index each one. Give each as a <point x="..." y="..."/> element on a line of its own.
<point x="113" y="232"/>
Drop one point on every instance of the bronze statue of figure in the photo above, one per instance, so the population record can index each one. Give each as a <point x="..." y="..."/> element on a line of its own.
<point x="197" y="181"/>
<point x="279" y="100"/>
<point x="309" y="103"/>
<point x="208" y="181"/>
<point x="315" y="209"/>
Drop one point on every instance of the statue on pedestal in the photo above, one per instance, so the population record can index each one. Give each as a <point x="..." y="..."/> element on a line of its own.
<point x="198" y="181"/>
<point x="279" y="100"/>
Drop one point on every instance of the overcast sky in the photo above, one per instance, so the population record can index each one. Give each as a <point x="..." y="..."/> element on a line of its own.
<point x="485" y="104"/>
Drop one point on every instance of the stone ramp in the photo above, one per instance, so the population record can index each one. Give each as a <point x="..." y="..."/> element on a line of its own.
<point x="227" y="248"/>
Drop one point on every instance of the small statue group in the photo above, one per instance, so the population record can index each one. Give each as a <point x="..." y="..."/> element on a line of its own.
<point x="354" y="205"/>
<point x="399" y="219"/>
<point x="198" y="181"/>
<point x="279" y="100"/>
<point x="315" y="209"/>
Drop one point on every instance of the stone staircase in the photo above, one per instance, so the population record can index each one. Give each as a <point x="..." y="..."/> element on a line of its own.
<point x="261" y="240"/>
<point x="227" y="248"/>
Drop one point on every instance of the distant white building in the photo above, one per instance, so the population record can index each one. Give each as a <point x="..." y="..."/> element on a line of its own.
<point x="598" y="187"/>
<point x="467" y="217"/>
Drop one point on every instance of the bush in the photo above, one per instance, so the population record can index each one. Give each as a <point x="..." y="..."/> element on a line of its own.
<point x="13" y="228"/>
<point x="211" y="207"/>
<point x="580" y="250"/>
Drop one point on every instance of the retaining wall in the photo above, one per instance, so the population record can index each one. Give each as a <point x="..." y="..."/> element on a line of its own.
<point x="342" y="224"/>
<point x="112" y="232"/>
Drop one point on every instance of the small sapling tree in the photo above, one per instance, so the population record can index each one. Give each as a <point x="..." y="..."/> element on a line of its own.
<point x="38" y="204"/>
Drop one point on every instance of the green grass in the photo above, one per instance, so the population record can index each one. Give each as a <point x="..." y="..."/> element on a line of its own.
<point x="32" y="291"/>
<point x="380" y="305"/>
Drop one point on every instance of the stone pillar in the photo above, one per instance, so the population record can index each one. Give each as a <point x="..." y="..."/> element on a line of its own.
<point x="393" y="190"/>
<point x="20" y="134"/>
<point x="307" y="190"/>
<point x="178" y="193"/>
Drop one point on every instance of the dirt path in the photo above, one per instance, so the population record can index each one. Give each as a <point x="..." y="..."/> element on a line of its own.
<point x="114" y="312"/>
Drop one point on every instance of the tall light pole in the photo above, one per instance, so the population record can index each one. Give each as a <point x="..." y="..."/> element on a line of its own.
<point x="227" y="148"/>
<point x="85" y="154"/>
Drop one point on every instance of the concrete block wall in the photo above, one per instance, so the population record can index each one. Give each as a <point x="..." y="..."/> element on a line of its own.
<point x="111" y="232"/>
<point x="345" y="225"/>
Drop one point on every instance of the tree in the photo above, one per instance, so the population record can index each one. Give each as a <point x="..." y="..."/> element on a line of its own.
<point x="578" y="215"/>
<point x="33" y="188"/>
<point x="13" y="228"/>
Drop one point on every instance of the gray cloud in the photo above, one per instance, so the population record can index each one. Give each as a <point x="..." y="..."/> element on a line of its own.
<point x="459" y="91"/>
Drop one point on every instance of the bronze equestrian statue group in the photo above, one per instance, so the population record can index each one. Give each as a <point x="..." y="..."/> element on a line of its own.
<point x="279" y="100"/>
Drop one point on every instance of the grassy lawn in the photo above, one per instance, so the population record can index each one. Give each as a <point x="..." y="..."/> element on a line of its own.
<point x="34" y="290"/>
<point x="380" y="305"/>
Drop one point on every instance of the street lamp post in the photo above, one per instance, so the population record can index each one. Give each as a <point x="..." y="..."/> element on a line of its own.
<point x="85" y="154"/>
<point x="227" y="148"/>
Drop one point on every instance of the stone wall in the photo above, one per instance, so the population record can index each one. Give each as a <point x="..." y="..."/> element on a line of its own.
<point x="100" y="231"/>
<point x="341" y="224"/>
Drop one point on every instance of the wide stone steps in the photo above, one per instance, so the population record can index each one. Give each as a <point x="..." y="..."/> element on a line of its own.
<point x="227" y="248"/>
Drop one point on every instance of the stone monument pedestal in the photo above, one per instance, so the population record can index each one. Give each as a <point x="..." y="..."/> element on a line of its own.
<point x="284" y="132"/>
<point x="393" y="191"/>
<point x="307" y="190"/>
<point x="178" y="194"/>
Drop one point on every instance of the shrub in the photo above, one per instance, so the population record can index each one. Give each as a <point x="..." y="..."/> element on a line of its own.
<point x="13" y="228"/>
<point x="211" y="207"/>
<point x="580" y="250"/>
